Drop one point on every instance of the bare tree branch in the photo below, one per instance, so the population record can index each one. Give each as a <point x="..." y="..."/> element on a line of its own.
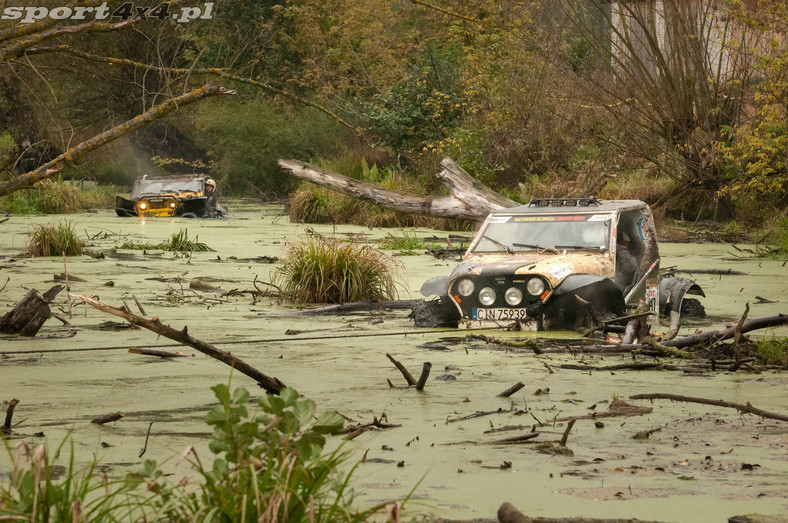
<point x="68" y="157"/>
<point x="66" y="49"/>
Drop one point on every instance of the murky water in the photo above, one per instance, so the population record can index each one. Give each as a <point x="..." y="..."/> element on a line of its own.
<point x="703" y="464"/>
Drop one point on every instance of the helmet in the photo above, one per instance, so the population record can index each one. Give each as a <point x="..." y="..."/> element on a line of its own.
<point x="210" y="182"/>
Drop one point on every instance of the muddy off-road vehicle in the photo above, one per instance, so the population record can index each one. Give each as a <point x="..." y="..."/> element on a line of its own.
<point x="177" y="195"/>
<point x="527" y="265"/>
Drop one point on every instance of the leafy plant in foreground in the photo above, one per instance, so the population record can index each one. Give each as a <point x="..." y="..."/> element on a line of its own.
<point x="269" y="467"/>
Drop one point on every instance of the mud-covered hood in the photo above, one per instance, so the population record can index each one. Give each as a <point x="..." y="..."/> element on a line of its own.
<point x="554" y="268"/>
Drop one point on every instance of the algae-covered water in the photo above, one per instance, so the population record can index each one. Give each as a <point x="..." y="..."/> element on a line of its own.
<point x="700" y="462"/>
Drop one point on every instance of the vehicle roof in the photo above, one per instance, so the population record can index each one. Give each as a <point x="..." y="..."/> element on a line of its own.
<point x="598" y="206"/>
<point x="156" y="177"/>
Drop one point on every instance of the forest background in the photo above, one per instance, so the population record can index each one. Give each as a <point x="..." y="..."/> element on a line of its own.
<point x="682" y="104"/>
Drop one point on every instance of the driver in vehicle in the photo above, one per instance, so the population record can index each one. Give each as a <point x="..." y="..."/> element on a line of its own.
<point x="212" y="203"/>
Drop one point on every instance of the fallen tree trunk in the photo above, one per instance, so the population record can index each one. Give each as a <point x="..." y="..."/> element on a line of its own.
<point x="269" y="383"/>
<point x="468" y="198"/>
<point x="27" y="316"/>
<point x="743" y="408"/>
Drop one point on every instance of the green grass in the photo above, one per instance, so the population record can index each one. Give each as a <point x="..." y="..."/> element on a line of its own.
<point x="321" y="270"/>
<point x="57" y="197"/>
<point x="178" y="242"/>
<point x="54" y="240"/>
<point x="773" y="352"/>
<point x="405" y="244"/>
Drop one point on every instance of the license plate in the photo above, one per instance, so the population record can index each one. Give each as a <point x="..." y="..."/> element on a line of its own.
<point x="499" y="314"/>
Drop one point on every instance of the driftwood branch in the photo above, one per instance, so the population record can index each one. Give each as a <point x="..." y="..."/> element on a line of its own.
<point x="744" y="408"/>
<point x="511" y="390"/>
<point x="107" y="418"/>
<point x="158" y="353"/>
<point x="9" y="415"/>
<point x="74" y="153"/>
<point x="730" y="332"/>
<point x="425" y="373"/>
<point x="405" y="373"/>
<point x="270" y="384"/>
<point x="468" y="199"/>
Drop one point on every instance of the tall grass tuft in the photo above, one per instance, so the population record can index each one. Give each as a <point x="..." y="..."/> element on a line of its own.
<point x="322" y="270"/>
<point x="54" y="240"/>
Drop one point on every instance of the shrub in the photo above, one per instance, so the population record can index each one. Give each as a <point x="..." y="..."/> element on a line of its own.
<point x="54" y="240"/>
<point x="321" y="270"/>
<point x="269" y="467"/>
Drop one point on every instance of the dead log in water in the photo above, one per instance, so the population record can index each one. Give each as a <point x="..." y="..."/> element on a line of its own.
<point x="745" y="408"/>
<point x="27" y="316"/>
<point x="468" y="198"/>
<point x="269" y="383"/>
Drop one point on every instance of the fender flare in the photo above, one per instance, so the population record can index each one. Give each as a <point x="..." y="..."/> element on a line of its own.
<point x="673" y="289"/>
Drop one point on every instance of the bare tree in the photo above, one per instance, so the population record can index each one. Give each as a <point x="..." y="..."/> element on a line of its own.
<point x="677" y="75"/>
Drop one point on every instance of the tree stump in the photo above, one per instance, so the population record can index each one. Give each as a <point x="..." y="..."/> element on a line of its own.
<point x="27" y="316"/>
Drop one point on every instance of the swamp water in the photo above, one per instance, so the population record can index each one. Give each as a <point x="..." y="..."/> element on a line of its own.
<point x="704" y="463"/>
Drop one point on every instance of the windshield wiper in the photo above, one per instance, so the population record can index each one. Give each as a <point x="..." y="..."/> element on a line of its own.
<point x="537" y="247"/>
<point x="499" y="244"/>
<point x="584" y="247"/>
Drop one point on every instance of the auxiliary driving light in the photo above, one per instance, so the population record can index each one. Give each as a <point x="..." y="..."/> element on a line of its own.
<point x="143" y="205"/>
<point x="513" y="296"/>
<point x="487" y="296"/>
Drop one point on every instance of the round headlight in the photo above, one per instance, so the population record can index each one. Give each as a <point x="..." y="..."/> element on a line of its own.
<point x="465" y="287"/>
<point x="513" y="296"/>
<point x="173" y="205"/>
<point x="143" y="205"/>
<point x="487" y="296"/>
<point x="535" y="286"/>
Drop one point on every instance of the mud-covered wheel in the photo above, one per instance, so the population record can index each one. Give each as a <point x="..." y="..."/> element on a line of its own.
<point x="437" y="312"/>
<point x="692" y="308"/>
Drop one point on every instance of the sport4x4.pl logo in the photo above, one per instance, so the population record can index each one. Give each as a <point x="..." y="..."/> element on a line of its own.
<point x="126" y="11"/>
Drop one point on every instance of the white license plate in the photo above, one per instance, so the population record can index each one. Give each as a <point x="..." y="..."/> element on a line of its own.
<point x="499" y="314"/>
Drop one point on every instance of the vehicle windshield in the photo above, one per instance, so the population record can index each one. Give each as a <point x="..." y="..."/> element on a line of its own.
<point x="164" y="186"/>
<point x="544" y="233"/>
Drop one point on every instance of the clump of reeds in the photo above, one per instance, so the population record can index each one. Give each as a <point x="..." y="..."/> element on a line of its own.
<point x="54" y="240"/>
<point x="324" y="270"/>
<point x="178" y="242"/>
